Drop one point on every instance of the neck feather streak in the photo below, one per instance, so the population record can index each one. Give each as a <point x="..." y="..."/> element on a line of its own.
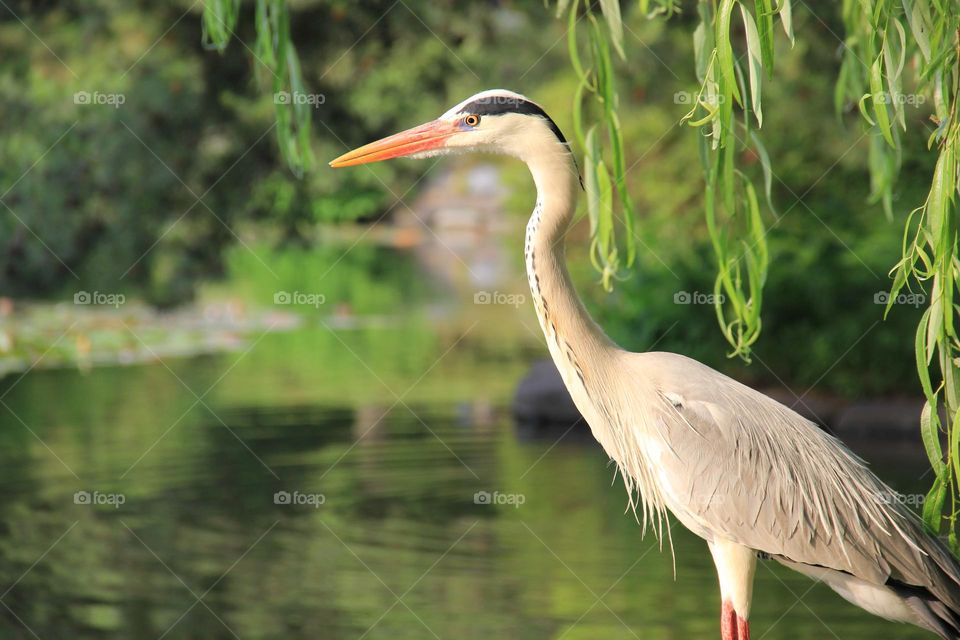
<point x="563" y="318"/>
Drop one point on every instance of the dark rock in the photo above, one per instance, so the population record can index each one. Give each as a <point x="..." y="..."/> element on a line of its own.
<point x="820" y="410"/>
<point x="891" y="419"/>
<point x="542" y="399"/>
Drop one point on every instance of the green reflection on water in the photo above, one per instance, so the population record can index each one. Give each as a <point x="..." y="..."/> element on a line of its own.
<point x="199" y="447"/>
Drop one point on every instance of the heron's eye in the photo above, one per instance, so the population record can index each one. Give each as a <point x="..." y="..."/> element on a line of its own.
<point x="472" y="120"/>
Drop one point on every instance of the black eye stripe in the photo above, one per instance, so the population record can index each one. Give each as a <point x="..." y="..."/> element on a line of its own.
<point x="499" y="105"/>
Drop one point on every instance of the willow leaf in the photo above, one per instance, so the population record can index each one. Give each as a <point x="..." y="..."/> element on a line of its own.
<point x="757" y="231"/>
<point x="725" y="49"/>
<point x="578" y="115"/>
<point x="786" y="18"/>
<point x="920" y="353"/>
<point x="935" y="323"/>
<point x="611" y="12"/>
<point x="894" y="57"/>
<point x="219" y="22"/>
<point x="933" y="505"/>
<point x="754" y="62"/>
<point x="704" y="45"/>
<point x="941" y="192"/>
<point x="930" y="433"/>
<point x="764" y="10"/>
<point x="767" y="170"/>
<point x="879" y="100"/>
<point x="605" y="187"/>
<point x="702" y="52"/>
<point x="590" y="182"/>
<point x="572" y="50"/>
<point x="919" y="24"/>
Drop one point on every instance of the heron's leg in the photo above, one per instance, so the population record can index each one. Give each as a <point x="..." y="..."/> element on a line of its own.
<point x="729" y="623"/>
<point x="736" y="565"/>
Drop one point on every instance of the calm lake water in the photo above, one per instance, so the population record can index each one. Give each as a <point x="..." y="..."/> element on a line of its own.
<point x="331" y="482"/>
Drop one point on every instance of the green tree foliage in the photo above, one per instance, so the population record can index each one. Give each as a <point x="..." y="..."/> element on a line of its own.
<point x="145" y="194"/>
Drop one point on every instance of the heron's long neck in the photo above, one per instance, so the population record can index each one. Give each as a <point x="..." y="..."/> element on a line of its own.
<point x="573" y="337"/>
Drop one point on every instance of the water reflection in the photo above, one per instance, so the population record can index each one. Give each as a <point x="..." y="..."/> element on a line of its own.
<point x="398" y="548"/>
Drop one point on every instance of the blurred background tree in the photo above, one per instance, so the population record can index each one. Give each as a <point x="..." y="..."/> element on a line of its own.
<point x="144" y="197"/>
<point x="150" y="196"/>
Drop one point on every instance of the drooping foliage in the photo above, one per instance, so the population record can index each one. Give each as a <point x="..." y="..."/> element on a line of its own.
<point x="732" y="204"/>
<point x="277" y="57"/>
<point x="895" y="54"/>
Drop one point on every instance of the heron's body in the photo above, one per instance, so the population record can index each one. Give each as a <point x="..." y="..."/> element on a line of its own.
<point x="745" y="473"/>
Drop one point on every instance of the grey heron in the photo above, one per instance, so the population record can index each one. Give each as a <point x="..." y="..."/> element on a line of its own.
<point x="742" y="471"/>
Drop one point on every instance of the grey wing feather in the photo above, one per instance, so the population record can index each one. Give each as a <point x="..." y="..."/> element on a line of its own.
<point x="744" y="467"/>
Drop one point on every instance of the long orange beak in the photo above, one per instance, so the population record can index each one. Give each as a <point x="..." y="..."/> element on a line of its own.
<point x="431" y="135"/>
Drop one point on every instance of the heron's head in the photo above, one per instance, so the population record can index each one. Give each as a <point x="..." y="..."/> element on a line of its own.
<point x="495" y="121"/>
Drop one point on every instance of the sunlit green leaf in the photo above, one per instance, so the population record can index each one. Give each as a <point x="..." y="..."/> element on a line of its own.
<point x="725" y="48"/>
<point x="764" y="11"/>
